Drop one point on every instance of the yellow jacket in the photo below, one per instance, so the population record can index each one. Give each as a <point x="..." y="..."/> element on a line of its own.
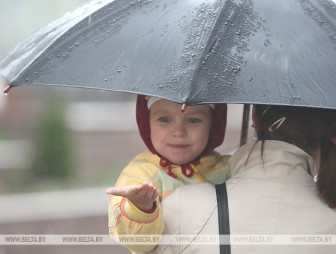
<point x="126" y="219"/>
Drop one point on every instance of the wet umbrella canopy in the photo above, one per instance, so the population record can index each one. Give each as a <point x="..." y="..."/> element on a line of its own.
<point x="189" y="51"/>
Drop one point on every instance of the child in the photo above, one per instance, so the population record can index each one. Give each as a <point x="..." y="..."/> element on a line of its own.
<point x="181" y="151"/>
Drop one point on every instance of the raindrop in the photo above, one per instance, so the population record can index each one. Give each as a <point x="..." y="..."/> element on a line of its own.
<point x="27" y="79"/>
<point x="296" y="97"/>
<point x="106" y="80"/>
<point x="236" y="69"/>
<point x="119" y="71"/>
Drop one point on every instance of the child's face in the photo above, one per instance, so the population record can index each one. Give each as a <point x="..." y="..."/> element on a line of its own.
<point x="177" y="136"/>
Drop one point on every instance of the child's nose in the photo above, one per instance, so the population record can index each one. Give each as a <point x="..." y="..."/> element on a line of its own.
<point x="179" y="130"/>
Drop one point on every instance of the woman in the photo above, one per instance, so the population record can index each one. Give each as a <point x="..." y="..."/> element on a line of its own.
<point x="282" y="184"/>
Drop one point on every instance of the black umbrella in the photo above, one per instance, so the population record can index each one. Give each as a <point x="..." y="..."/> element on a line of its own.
<point x="189" y="51"/>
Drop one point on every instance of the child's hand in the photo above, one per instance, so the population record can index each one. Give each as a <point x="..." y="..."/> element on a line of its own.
<point x="142" y="196"/>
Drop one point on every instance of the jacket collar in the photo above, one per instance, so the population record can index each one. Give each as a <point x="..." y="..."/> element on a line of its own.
<point x="281" y="162"/>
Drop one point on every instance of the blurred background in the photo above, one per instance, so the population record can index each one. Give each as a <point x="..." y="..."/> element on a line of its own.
<point x="61" y="147"/>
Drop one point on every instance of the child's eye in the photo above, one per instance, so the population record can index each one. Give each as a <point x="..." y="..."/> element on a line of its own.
<point x="194" y="120"/>
<point x="165" y="119"/>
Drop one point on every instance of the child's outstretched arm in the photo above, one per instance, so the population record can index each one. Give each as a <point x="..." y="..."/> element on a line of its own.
<point x="135" y="210"/>
<point x="142" y="196"/>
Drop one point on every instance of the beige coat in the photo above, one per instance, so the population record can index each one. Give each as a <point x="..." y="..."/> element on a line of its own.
<point x="276" y="197"/>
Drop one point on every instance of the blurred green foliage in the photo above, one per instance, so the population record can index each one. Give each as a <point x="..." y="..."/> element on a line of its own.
<point x="54" y="154"/>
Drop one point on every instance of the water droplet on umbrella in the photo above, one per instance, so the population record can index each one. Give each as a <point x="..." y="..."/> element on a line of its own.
<point x="119" y="71"/>
<point x="296" y="98"/>
<point x="236" y="69"/>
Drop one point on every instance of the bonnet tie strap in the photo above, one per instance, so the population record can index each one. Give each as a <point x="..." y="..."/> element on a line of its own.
<point x="188" y="170"/>
<point x="164" y="163"/>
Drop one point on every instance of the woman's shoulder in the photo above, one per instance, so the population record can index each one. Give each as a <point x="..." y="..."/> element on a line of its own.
<point x="192" y="195"/>
<point x="198" y="190"/>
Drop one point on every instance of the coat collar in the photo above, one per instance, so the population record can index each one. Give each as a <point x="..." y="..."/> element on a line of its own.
<point x="281" y="162"/>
